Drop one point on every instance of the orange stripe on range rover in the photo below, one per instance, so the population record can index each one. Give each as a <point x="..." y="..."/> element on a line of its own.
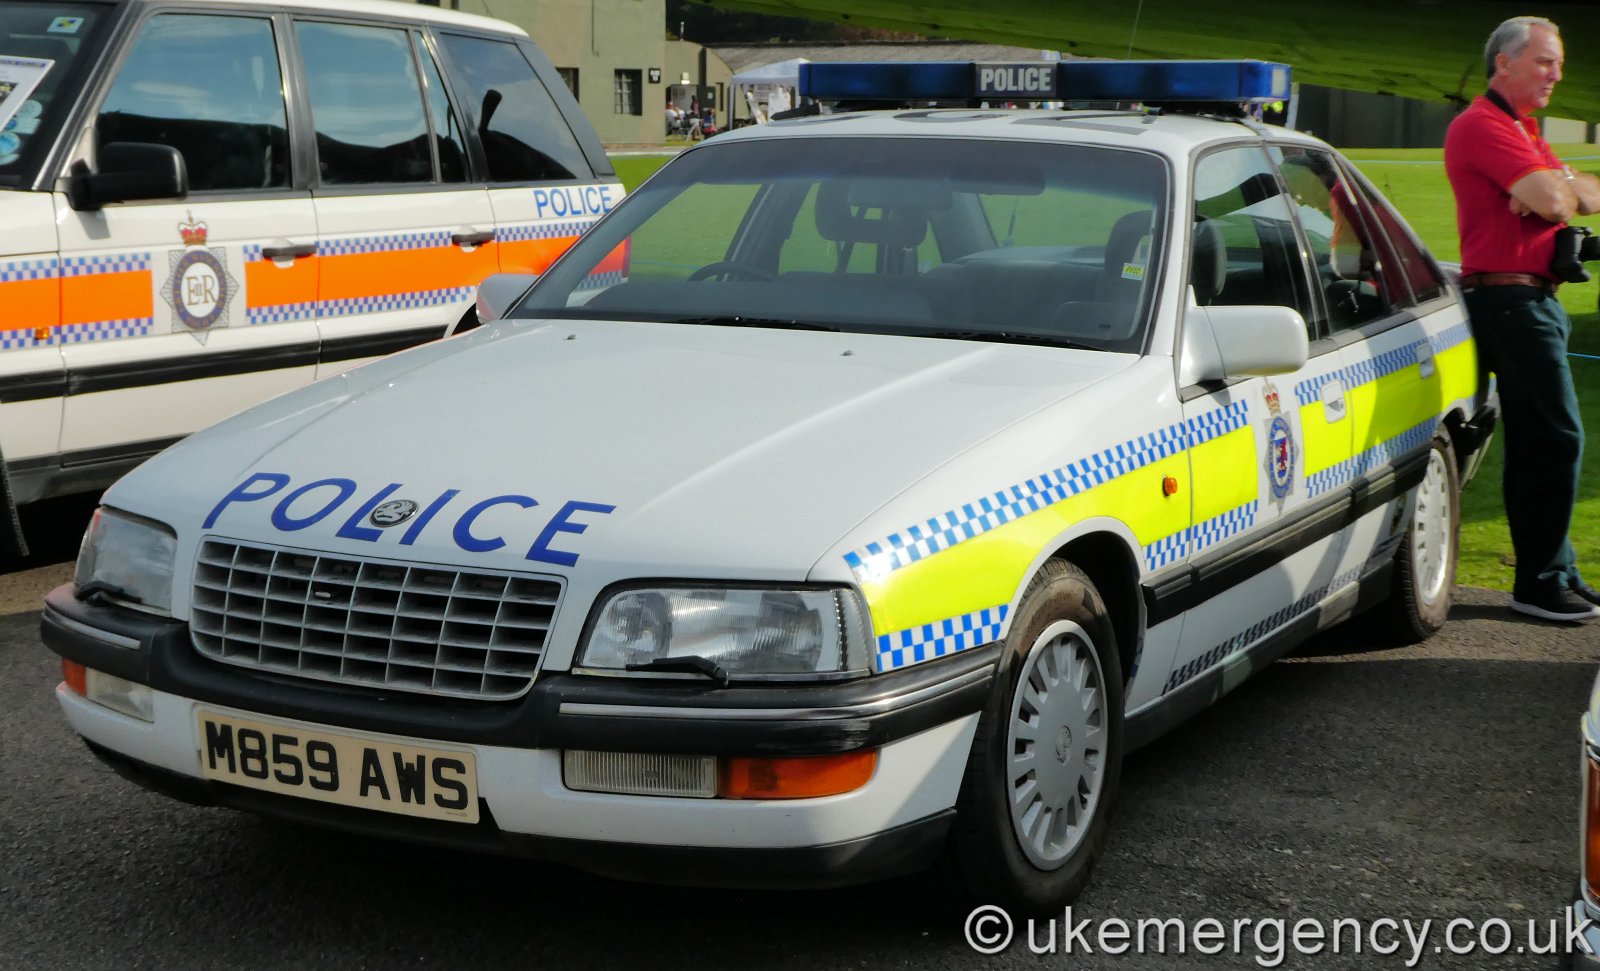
<point x="106" y="296"/>
<point x="26" y="304"/>
<point x="270" y="284"/>
<point x="356" y="275"/>
<point x="532" y="255"/>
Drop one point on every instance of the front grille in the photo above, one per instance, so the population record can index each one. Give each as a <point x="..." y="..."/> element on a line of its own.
<point x="458" y="633"/>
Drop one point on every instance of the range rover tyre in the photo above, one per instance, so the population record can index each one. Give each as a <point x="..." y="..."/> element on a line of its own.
<point x="1043" y="772"/>
<point x="1425" y="564"/>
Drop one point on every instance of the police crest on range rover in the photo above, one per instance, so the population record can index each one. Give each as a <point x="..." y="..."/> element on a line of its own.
<point x="858" y="492"/>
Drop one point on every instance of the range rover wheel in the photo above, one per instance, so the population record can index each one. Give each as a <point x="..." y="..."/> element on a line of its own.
<point x="1425" y="564"/>
<point x="1047" y="758"/>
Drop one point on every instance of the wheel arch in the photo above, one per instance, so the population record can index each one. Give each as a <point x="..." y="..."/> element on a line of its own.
<point x="1108" y="560"/>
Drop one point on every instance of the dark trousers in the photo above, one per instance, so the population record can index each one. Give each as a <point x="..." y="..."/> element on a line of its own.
<point x="1522" y="334"/>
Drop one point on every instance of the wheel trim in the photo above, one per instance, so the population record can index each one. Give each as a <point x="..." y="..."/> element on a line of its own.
<point x="1431" y="536"/>
<point x="1056" y="745"/>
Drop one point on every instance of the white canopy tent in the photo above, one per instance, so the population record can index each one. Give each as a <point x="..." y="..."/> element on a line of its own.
<point x="758" y="85"/>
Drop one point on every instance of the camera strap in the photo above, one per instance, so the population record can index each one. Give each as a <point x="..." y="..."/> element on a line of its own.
<point x="1498" y="100"/>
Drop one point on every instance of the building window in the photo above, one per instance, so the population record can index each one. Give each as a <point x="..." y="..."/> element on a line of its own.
<point x="625" y="100"/>
<point x="569" y="77"/>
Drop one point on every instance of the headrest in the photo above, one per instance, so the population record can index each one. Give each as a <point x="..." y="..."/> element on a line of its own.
<point x="904" y="227"/>
<point x="1208" y="266"/>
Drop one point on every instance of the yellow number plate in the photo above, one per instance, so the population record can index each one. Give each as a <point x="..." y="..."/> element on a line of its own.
<point x="391" y="777"/>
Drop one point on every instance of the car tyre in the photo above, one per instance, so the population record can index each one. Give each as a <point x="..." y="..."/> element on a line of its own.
<point x="1425" y="563"/>
<point x="1045" y="764"/>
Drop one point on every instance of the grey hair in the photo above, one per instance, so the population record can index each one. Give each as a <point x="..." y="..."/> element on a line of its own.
<point x="1511" y="37"/>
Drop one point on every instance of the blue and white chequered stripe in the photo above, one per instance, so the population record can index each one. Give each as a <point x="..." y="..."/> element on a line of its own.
<point x="939" y="639"/>
<point x="45" y="269"/>
<point x="387" y="243"/>
<point x="1383" y="365"/>
<point x="104" y="330"/>
<point x="1201" y="536"/>
<point x="992" y="511"/>
<point x="119" y="263"/>
<point x="16" y="340"/>
<point x="280" y="314"/>
<point x="1198" y="666"/>
<point x="546" y="230"/>
<point x="596" y="281"/>
<point x="394" y="301"/>
<point x="1381" y="454"/>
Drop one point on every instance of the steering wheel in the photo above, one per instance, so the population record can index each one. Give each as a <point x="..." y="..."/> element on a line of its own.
<point x="727" y="268"/>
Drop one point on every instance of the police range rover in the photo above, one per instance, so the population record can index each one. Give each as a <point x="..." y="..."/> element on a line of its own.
<point x="206" y="203"/>
<point x="855" y="494"/>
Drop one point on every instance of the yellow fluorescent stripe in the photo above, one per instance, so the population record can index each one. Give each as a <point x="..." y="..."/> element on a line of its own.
<point x="1327" y="443"/>
<point x="1224" y="473"/>
<point x="986" y="570"/>
<point x="1396" y="402"/>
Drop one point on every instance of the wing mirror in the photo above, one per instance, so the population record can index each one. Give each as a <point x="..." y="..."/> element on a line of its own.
<point x="499" y="292"/>
<point x="1220" y="343"/>
<point x="129" y="171"/>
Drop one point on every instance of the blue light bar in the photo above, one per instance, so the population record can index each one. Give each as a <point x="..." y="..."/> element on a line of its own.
<point x="1143" y="81"/>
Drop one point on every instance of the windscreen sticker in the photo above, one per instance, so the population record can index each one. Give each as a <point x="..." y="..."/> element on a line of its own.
<point x="18" y="77"/>
<point x="65" y="25"/>
<point x="373" y="515"/>
<point x="1133" y="271"/>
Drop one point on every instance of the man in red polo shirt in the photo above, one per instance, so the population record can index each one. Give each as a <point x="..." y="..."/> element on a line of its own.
<point x="1512" y="196"/>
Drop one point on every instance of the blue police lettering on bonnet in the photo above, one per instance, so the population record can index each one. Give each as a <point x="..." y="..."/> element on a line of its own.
<point x="306" y="505"/>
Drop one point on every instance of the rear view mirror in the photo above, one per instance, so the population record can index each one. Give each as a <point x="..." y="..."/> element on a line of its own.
<point x="129" y="171"/>
<point x="499" y="292"/>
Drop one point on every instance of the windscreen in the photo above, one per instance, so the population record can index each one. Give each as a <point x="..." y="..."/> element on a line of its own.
<point x="1017" y="241"/>
<point x="46" y="50"/>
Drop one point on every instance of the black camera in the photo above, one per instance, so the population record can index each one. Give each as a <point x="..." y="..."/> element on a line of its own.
<point x="1575" y="246"/>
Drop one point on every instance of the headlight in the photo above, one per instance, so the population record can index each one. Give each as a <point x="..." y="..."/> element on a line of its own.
<point x="747" y="633"/>
<point x="129" y="559"/>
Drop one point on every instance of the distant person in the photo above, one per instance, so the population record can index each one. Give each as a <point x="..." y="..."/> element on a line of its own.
<point x="674" y="119"/>
<point x="1512" y="197"/>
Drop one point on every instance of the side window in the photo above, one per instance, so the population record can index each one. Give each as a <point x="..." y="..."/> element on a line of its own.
<point x="524" y="136"/>
<point x="366" y="104"/>
<point x="1244" y="249"/>
<point x="1406" y="259"/>
<point x="209" y="86"/>
<point x="1351" y="260"/>
<point x="448" y="140"/>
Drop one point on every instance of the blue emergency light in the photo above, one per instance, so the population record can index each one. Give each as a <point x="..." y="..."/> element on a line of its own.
<point x="1245" y="82"/>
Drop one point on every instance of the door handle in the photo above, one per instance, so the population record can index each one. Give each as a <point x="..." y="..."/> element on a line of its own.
<point x="1333" y="401"/>
<point x="1425" y="365"/>
<point x="472" y="239"/>
<point x="291" y="251"/>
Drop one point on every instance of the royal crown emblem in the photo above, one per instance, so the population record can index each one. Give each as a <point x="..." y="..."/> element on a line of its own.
<point x="193" y="233"/>
<point x="1272" y="401"/>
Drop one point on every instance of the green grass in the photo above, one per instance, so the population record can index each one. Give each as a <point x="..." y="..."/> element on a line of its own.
<point x="1414" y="179"/>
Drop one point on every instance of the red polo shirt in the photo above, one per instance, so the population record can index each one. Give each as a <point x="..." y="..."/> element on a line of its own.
<point x="1485" y="154"/>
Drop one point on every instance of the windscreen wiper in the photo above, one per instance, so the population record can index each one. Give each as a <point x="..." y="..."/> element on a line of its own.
<point x="739" y="320"/>
<point x="1010" y="337"/>
<point x="687" y="664"/>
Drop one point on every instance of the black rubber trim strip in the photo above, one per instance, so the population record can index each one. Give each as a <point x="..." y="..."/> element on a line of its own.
<point x="377" y="345"/>
<point x="32" y="387"/>
<point x="895" y="852"/>
<point x="1201" y="693"/>
<point x="167" y="661"/>
<point x="191" y="367"/>
<point x="1214" y="574"/>
<point x="117" y="453"/>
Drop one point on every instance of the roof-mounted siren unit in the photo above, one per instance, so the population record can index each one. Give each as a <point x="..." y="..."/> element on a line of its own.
<point x="1201" y="85"/>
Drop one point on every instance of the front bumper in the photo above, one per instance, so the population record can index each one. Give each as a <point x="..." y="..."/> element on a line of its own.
<point x="922" y="727"/>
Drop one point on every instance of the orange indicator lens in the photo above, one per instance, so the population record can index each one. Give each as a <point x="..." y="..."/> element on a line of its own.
<point x="798" y="777"/>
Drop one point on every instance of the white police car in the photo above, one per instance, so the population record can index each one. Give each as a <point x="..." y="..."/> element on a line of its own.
<point x="906" y="470"/>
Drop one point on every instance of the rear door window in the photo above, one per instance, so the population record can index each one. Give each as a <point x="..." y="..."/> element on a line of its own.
<point x="524" y="136"/>
<point x="366" y="104"/>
